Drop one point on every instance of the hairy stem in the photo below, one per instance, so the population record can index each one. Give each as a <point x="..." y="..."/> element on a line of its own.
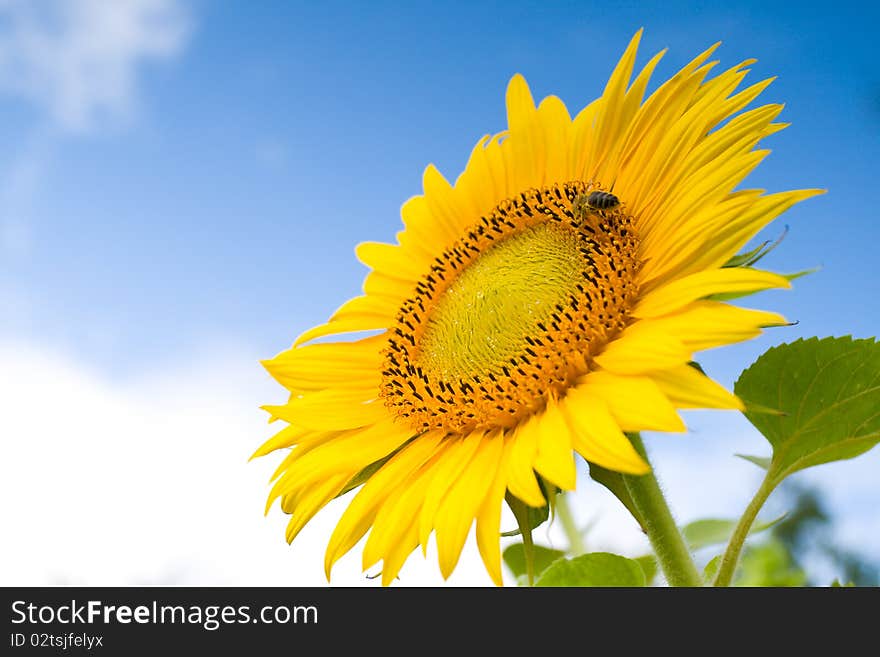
<point x="727" y="567"/>
<point x="672" y="552"/>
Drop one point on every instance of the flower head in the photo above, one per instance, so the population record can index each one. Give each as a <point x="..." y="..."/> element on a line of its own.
<point x="546" y="303"/>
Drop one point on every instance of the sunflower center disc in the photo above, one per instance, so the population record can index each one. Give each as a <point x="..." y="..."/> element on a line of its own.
<point x="512" y="313"/>
<point x="482" y="318"/>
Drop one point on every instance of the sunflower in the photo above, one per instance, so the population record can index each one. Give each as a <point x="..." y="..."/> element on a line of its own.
<point x="549" y="301"/>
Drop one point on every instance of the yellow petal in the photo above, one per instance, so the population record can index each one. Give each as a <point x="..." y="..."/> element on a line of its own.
<point x="640" y="158"/>
<point x="489" y="518"/>
<point x="427" y="229"/>
<point x="688" y="130"/>
<point x="524" y="150"/>
<point x="703" y="225"/>
<point x="685" y="387"/>
<point x="554" y="459"/>
<point x="463" y="500"/>
<point x="729" y="239"/>
<point x="556" y="123"/>
<point x="313" y="501"/>
<point x="315" y="366"/>
<point x="520" y="465"/>
<point x="737" y="136"/>
<point x="635" y="402"/>
<point x="583" y="134"/>
<point x="370" y="306"/>
<point x="705" y="190"/>
<point x="312" y="440"/>
<point x="397" y="555"/>
<point x="396" y="520"/>
<point x="740" y="100"/>
<point x="476" y="184"/>
<point x="608" y="118"/>
<point x="609" y="169"/>
<point x="643" y="348"/>
<point x="520" y="106"/>
<point x="706" y="324"/>
<point x="677" y="294"/>
<point x="348" y="325"/>
<point x="287" y="437"/>
<point x="383" y="485"/>
<point x="443" y="203"/>
<point x="381" y="284"/>
<point x="596" y="436"/>
<point x="333" y="409"/>
<point x="456" y="454"/>
<point x="734" y="224"/>
<point x="350" y="452"/>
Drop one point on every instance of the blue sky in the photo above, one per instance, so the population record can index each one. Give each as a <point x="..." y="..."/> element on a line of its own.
<point x="283" y="134"/>
<point x="202" y="178"/>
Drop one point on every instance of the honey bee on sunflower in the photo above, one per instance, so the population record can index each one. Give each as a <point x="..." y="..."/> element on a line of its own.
<point x="545" y="304"/>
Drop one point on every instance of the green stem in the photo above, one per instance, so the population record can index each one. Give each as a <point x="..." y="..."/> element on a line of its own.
<point x="665" y="537"/>
<point x="731" y="555"/>
<point x="575" y="539"/>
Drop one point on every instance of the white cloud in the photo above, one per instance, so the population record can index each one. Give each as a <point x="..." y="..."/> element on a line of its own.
<point x="79" y="59"/>
<point x="108" y="482"/>
<point x="147" y="481"/>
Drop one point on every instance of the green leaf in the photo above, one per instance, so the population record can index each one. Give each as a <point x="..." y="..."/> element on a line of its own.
<point x="711" y="569"/>
<point x="757" y="409"/>
<point x="762" y="462"/>
<point x="769" y="564"/>
<point x="648" y="562"/>
<point x="799" y="274"/>
<point x="697" y="366"/>
<point x="593" y="569"/>
<point x="837" y="585"/>
<point x="362" y="476"/>
<point x="515" y="558"/>
<point x="829" y="392"/>
<point x="751" y="257"/>
<point x="712" y="531"/>
<point x="537" y="516"/>
<point x="613" y="481"/>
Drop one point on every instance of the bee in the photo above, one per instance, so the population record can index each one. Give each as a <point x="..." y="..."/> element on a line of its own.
<point x="602" y="201"/>
<point x="595" y="201"/>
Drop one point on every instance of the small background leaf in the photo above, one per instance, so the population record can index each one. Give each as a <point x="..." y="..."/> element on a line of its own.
<point x="712" y="531"/>
<point x="536" y="516"/>
<point x="593" y="569"/>
<point x="751" y="257"/>
<point x="515" y="558"/>
<point x="762" y="462"/>
<point x="362" y="476"/>
<point x="648" y="562"/>
<point x="769" y="564"/>
<point x="829" y="391"/>
<point x="711" y="569"/>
